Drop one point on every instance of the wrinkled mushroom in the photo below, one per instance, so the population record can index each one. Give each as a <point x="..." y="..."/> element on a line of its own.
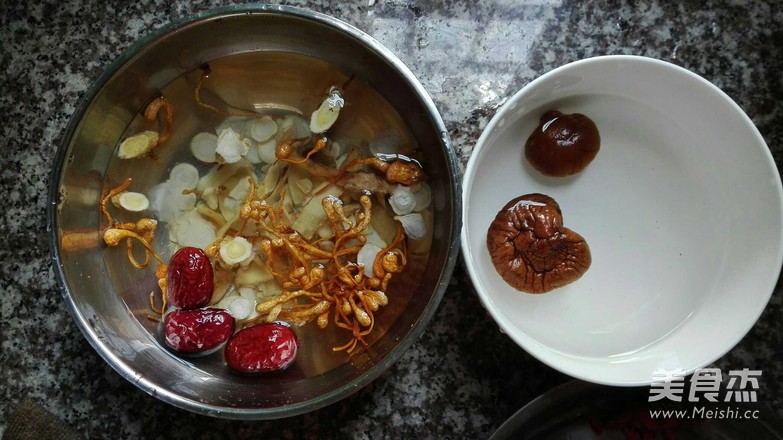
<point x="532" y="250"/>
<point x="562" y="144"/>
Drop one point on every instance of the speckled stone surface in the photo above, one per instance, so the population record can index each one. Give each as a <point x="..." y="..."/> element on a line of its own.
<point x="463" y="377"/>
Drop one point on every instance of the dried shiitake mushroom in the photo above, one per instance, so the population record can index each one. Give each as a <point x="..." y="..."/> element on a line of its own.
<point x="532" y="250"/>
<point x="562" y="144"/>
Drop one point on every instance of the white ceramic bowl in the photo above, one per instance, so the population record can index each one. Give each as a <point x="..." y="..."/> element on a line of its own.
<point x="681" y="209"/>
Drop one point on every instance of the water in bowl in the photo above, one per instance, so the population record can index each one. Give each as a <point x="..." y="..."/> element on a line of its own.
<point x="284" y="86"/>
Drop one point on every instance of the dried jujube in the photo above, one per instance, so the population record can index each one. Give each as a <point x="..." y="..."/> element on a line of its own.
<point x="189" y="279"/>
<point x="532" y="250"/>
<point x="198" y="330"/>
<point x="262" y="348"/>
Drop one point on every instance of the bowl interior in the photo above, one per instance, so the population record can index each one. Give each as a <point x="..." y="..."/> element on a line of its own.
<point x="681" y="209"/>
<point x="296" y="55"/>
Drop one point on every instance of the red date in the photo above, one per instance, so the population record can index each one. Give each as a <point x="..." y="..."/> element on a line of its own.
<point x="261" y="348"/>
<point x="189" y="279"/>
<point x="199" y="330"/>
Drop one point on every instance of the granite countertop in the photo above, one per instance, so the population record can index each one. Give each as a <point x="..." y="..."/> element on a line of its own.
<point x="463" y="377"/>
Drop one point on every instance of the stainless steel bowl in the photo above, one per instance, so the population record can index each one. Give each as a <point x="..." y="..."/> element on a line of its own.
<point x="107" y="300"/>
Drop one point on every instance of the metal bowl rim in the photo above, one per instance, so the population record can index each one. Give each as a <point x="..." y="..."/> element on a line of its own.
<point x="372" y="373"/>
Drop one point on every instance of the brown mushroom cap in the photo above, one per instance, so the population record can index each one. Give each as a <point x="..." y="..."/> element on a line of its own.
<point x="532" y="250"/>
<point x="562" y="144"/>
